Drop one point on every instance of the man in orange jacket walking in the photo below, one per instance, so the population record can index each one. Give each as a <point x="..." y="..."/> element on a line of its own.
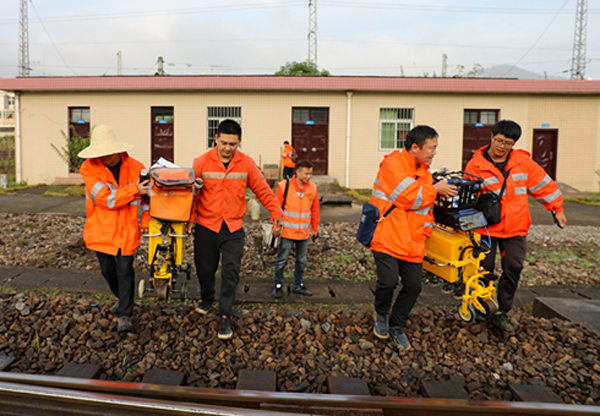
<point x="288" y="160"/>
<point x="218" y="218"/>
<point x="299" y="199"/>
<point x="398" y="245"/>
<point x="496" y="163"/>
<point x="113" y="191"/>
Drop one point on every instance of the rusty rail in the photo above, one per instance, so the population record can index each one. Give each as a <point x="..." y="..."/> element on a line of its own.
<point x="147" y="398"/>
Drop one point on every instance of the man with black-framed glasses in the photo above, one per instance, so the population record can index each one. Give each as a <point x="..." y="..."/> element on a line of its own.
<point x="496" y="163"/>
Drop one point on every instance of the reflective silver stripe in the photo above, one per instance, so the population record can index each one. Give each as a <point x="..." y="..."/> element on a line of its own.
<point x="380" y="195"/>
<point x="112" y="198"/>
<point x="428" y="224"/>
<point x="490" y="181"/>
<point x="520" y="176"/>
<point x="95" y="191"/>
<point x="297" y="226"/>
<point x="136" y="202"/>
<point x="300" y="194"/>
<point x="296" y="214"/>
<point x="541" y="184"/>
<point x="551" y="197"/>
<point x="403" y="185"/>
<point x="213" y="175"/>
<point x="419" y="199"/>
<point x="237" y="175"/>
<point x="377" y="182"/>
<point x="145" y="208"/>
<point x="423" y="211"/>
<point x="520" y="190"/>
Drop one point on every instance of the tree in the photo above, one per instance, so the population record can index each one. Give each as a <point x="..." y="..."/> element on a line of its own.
<point x="301" y="69"/>
<point x="69" y="152"/>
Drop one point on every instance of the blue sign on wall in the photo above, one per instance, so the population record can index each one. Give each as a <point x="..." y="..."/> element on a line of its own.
<point x="545" y="125"/>
<point x="80" y="121"/>
<point x="478" y="124"/>
<point x="162" y="121"/>
<point x="310" y="122"/>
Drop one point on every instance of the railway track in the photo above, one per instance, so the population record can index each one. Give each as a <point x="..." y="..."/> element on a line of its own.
<point x="24" y="395"/>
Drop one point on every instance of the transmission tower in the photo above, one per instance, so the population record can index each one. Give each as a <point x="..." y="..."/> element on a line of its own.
<point x="579" y="41"/>
<point x="444" y="65"/>
<point x="312" y="32"/>
<point x="23" y="40"/>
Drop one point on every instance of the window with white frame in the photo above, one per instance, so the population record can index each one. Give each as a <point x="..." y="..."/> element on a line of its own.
<point x="218" y="114"/>
<point x="394" y="125"/>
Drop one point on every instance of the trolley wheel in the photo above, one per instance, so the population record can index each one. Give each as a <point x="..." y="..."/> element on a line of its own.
<point x="182" y="290"/>
<point x="142" y="288"/>
<point x="469" y="316"/>
<point x="162" y="292"/>
<point x="490" y="306"/>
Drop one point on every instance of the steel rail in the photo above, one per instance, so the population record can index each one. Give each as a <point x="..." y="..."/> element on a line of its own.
<point x="27" y="400"/>
<point x="251" y="399"/>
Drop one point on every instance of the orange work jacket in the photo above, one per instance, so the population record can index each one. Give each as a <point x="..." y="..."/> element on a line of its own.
<point x="223" y="196"/>
<point x="112" y="208"/>
<point x="525" y="177"/>
<point x="287" y="156"/>
<point x="409" y="188"/>
<point x="301" y="212"/>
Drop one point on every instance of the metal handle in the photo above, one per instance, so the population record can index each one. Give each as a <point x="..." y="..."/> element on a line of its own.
<point x="314" y="149"/>
<point x="304" y="149"/>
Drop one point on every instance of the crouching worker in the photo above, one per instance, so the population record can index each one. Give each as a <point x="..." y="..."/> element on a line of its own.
<point x="113" y="190"/>
<point x="299" y="200"/>
<point x="404" y="183"/>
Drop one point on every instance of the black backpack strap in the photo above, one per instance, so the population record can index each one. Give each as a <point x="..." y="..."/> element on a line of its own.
<point x="287" y="188"/>
<point x="504" y="184"/>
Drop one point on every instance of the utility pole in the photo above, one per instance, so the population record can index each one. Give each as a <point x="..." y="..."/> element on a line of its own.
<point x="160" y="71"/>
<point x="579" y="41"/>
<point x="23" y="40"/>
<point x="444" y="65"/>
<point x="119" y="68"/>
<point x="312" y="32"/>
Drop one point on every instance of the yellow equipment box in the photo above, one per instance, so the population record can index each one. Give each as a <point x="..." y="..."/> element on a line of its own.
<point x="445" y="246"/>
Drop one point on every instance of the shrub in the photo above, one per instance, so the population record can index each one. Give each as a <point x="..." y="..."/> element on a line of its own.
<point x="69" y="152"/>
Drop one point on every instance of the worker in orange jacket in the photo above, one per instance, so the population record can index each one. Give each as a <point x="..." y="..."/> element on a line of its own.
<point x="113" y="190"/>
<point x="398" y="245"/>
<point x="218" y="216"/>
<point x="299" y="199"/>
<point x="496" y="163"/>
<point x="289" y="165"/>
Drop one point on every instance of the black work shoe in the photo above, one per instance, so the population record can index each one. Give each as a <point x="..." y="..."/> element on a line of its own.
<point x="400" y="338"/>
<point x="204" y="307"/>
<point x="302" y="290"/>
<point x="225" y="331"/>
<point x="277" y="292"/>
<point x="381" y="326"/>
<point x="114" y="309"/>
<point x="125" y="324"/>
<point x="500" y="321"/>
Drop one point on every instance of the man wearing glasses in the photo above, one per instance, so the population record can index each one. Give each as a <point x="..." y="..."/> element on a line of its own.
<point x="496" y="163"/>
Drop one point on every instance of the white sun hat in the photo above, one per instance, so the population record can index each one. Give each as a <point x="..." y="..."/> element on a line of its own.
<point x="103" y="143"/>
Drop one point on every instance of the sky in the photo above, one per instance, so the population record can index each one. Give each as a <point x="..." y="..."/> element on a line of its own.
<point x="257" y="37"/>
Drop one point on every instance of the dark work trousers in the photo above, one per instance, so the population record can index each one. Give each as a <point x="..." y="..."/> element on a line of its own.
<point x="388" y="270"/>
<point x="208" y="247"/>
<point x="288" y="173"/>
<point x="118" y="272"/>
<point x="513" y="251"/>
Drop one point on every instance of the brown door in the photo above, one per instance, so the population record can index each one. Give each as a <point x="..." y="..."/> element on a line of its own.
<point x="544" y="149"/>
<point x="310" y="137"/>
<point x="477" y="131"/>
<point x="162" y="133"/>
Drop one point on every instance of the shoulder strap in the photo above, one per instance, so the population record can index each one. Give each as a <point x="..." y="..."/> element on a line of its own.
<point x="287" y="188"/>
<point x="504" y="184"/>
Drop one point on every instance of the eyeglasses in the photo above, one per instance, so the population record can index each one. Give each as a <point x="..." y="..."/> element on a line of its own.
<point x="502" y="143"/>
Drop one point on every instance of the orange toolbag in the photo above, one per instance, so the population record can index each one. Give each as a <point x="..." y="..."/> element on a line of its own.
<point x="172" y="193"/>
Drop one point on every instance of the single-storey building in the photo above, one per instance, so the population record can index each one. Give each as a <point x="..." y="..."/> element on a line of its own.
<point x="344" y="125"/>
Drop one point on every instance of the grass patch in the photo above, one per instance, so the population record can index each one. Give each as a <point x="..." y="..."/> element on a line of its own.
<point x="362" y="195"/>
<point x="60" y="190"/>
<point x="593" y="199"/>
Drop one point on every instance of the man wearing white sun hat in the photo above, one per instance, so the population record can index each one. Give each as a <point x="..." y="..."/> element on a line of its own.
<point x="112" y="230"/>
